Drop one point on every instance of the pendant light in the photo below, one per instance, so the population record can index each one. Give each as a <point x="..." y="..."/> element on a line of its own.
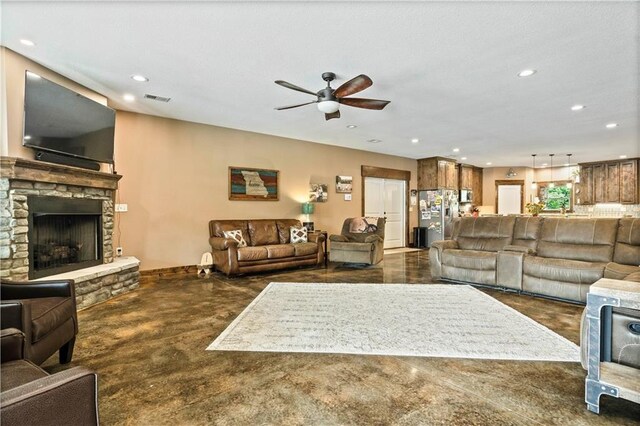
<point x="551" y="184"/>
<point x="534" y="184"/>
<point x="569" y="183"/>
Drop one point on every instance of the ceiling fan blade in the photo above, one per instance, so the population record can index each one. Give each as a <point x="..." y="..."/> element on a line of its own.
<point x="364" y="103"/>
<point x="294" y="87"/>
<point x="296" y="106"/>
<point x="355" y="85"/>
<point x="332" y="115"/>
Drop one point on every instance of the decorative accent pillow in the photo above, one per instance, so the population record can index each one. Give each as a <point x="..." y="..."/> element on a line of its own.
<point x="298" y="235"/>
<point x="363" y="225"/>
<point x="236" y="234"/>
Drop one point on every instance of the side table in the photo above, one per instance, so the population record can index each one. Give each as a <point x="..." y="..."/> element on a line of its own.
<point x="326" y="237"/>
<point x="604" y="376"/>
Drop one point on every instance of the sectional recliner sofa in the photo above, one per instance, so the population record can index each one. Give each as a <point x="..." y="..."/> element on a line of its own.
<point x="552" y="257"/>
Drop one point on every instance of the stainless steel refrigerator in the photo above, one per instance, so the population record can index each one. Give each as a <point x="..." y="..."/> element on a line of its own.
<point x="438" y="209"/>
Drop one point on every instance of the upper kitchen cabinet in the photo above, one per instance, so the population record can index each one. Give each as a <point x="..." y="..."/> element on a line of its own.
<point x="608" y="182"/>
<point x="437" y="173"/>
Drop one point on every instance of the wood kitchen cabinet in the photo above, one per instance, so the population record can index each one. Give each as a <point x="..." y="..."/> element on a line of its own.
<point x="466" y="177"/>
<point x="437" y="173"/>
<point x="476" y="186"/>
<point x="609" y="182"/>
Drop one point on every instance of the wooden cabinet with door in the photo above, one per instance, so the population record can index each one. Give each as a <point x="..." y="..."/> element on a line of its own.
<point x="437" y="173"/>
<point x="466" y="177"/>
<point x="476" y="186"/>
<point x="609" y="182"/>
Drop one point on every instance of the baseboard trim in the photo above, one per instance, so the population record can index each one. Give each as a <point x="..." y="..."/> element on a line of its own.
<point x="173" y="270"/>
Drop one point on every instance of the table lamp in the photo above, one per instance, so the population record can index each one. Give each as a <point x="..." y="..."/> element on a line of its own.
<point x="307" y="208"/>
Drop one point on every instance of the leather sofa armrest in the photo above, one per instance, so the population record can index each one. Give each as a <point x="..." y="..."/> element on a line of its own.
<point x="339" y="238"/>
<point x="220" y="243"/>
<point x="316" y="238"/>
<point x="33" y="289"/>
<point x="520" y="249"/>
<point x="11" y="344"/>
<point x="73" y="393"/>
<point x="373" y="239"/>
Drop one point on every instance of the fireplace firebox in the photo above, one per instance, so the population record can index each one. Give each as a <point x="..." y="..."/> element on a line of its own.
<point x="64" y="234"/>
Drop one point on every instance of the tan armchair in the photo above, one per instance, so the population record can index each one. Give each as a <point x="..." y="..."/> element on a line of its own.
<point x="351" y="247"/>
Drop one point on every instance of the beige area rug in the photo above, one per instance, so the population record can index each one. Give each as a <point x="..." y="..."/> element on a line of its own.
<point x="401" y="250"/>
<point x="434" y="320"/>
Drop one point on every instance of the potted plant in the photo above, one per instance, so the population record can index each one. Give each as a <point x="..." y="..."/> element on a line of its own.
<point x="534" y="209"/>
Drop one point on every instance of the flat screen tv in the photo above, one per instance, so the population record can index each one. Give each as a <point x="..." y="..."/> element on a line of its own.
<point x="60" y="120"/>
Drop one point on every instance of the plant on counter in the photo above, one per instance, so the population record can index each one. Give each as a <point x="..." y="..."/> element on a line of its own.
<point x="535" y="208"/>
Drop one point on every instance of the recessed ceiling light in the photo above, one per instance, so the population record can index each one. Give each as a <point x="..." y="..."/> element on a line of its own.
<point x="27" y="137"/>
<point x="567" y="164"/>
<point x="622" y="156"/>
<point x="463" y="158"/>
<point x="140" y="78"/>
<point x="415" y="140"/>
<point x="27" y="42"/>
<point x="33" y="75"/>
<point x="129" y="98"/>
<point x="577" y="107"/>
<point x="374" y="141"/>
<point x="351" y="126"/>
<point x="489" y="163"/>
<point x="526" y="73"/>
<point x="544" y="164"/>
<point x="456" y="149"/>
<point x="611" y="125"/>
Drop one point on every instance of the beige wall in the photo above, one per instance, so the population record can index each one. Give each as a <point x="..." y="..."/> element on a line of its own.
<point x="489" y="177"/>
<point x="176" y="180"/>
<point x="14" y="67"/>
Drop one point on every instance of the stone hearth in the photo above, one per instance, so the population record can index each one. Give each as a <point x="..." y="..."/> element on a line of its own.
<point x="21" y="178"/>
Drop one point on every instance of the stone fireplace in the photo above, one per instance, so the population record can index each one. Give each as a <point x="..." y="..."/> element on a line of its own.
<point x="56" y="222"/>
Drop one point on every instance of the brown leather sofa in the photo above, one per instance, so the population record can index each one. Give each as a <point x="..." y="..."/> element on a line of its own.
<point x="268" y="246"/>
<point x="45" y="311"/>
<point x="30" y="396"/>
<point x="363" y="248"/>
<point x="552" y="257"/>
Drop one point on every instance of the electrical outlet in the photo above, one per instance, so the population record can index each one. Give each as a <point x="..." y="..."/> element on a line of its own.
<point x="118" y="251"/>
<point x="122" y="207"/>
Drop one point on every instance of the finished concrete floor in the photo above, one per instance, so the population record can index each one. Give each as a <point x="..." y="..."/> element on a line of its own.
<point x="148" y="348"/>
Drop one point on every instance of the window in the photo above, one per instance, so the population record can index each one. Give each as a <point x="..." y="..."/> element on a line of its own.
<point x="557" y="197"/>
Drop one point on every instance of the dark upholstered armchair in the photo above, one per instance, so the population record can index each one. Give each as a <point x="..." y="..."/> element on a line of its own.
<point x="31" y="396"/>
<point x="45" y="311"/>
<point x="358" y="247"/>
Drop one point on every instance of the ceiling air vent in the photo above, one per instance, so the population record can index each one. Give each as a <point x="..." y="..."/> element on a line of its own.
<point x="156" y="98"/>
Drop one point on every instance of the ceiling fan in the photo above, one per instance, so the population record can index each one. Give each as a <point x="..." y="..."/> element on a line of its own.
<point x="329" y="99"/>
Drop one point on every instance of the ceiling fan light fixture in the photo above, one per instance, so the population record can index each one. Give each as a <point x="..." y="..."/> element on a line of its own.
<point x="328" y="107"/>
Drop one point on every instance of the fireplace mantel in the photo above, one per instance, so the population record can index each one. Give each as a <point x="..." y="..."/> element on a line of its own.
<point x="40" y="171"/>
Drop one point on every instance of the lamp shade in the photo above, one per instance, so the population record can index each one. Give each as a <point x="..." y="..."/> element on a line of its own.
<point x="307" y="208"/>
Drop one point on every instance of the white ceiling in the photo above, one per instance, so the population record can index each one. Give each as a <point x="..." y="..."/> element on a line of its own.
<point x="448" y="68"/>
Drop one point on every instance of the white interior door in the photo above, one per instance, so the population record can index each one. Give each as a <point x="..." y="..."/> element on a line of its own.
<point x="387" y="198"/>
<point x="509" y="199"/>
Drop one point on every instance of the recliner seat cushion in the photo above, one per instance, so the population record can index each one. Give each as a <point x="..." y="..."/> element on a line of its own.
<point x="470" y="259"/>
<point x="588" y="240"/>
<point x="562" y="270"/>
<point x="484" y="233"/>
<point x="627" y="250"/>
<point x="252" y="253"/>
<point x="619" y="271"/>
<point x="49" y="313"/>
